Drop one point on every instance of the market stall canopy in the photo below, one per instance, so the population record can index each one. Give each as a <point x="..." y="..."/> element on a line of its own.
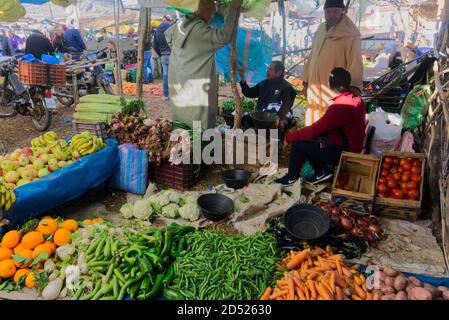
<point x="256" y="8"/>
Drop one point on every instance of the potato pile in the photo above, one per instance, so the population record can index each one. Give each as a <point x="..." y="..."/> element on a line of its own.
<point x="396" y="286"/>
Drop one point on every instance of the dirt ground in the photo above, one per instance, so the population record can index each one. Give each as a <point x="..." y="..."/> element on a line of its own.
<point x="17" y="132"/>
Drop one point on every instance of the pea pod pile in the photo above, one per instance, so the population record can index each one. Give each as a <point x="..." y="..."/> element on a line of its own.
<point x="138" y="265"/>
<point x="226" y="267"/>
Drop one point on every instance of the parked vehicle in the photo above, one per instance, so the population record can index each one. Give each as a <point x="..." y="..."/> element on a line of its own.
<point x="88" y="81"/>
<point x="17" y="98"/>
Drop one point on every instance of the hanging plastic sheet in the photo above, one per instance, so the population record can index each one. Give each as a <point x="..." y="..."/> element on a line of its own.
<point x="34" y="1"/>
<point x="63" y="185"/>
<point x="254" y="53"/>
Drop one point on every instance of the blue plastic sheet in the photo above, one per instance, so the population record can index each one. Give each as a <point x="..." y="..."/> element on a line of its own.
<point x="64" y="185"/>
<point x="34" y="1"/>
<point x="435" y="281"/>
<point x="254" y="54"/>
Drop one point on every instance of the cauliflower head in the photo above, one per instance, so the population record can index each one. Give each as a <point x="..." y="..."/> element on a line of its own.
<point x="190" y="212"/>
<point x="173" y="196"/>
<point x="127" y="211"/>
<point x="193" y="199"/>
<point x="142" y="210"/>
<point x="158" y="201"/>
<point x="171" y="211"/>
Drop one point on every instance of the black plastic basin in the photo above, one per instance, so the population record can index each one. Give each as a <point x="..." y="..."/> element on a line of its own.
<point x="236" y="179"/>
<point x="264" y="120"/>
<point x="306" y="222"/>
<point x="215" y="207"/>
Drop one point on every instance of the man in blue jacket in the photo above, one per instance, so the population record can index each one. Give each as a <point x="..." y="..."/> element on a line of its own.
<point x="163" y="50"/>
<point x="72" y="38"/>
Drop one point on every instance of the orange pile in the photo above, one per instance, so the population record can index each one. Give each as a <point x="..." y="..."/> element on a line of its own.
<point x="15" y="247"/>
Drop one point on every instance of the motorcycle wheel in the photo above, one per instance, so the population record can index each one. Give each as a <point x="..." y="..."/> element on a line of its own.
<point x="104" y="84"/>
<point x="5" y="110"/>
<point x="65" y="101"/>
<point x="40" y="114"/>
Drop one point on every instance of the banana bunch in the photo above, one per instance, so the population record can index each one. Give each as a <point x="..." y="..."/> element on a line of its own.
<point x="7" y="196"/>
<point x="61" y="150"/>
<point x="85" y="143"/>
<point x="47" y="139"/>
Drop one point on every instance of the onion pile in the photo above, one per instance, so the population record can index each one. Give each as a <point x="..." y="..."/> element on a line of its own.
<point x="349" y="222"/>
<point x="153" y="136"/>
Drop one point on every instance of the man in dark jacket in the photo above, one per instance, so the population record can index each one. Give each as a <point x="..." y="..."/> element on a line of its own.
<point x="5" y="47"/>
<point x="37" y="44"/>
<point x="342" y="128"/>
<point x="273" y="94"/>
<point x="163" y="50"/>
<point x="73" y="39"/>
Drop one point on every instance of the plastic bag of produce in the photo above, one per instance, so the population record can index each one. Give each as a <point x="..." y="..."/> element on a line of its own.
<point x="388" y="131"/>
<point x="132" y="173"/>
<point x="415" y="106"/>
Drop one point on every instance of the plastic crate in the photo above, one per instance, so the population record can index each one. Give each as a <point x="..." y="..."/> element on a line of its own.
<point x="42" y="74"/>
<point x="180" y="177"/>
<point x="98" y="129"/>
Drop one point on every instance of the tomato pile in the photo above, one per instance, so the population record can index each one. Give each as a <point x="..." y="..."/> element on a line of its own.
<point x="400" y="178"/>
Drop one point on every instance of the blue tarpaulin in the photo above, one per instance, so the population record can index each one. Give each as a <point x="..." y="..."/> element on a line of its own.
<point x="254" y="54"/>
<point x="64" y="185"/>
<point x="34" y="1"/>
<point x="435" y="281"/>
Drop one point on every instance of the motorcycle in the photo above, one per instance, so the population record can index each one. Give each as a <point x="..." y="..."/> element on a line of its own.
<point x="16" y="98"/>
<point x="88" y="81"/>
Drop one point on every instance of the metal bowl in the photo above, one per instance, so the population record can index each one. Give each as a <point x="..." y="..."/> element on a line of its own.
<point x="215" y="207"/>
<point x="236" y="179"/>
<point x="306" y="222"/>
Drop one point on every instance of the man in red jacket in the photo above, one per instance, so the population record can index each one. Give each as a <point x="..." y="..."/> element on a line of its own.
<point x="342" y="128"/>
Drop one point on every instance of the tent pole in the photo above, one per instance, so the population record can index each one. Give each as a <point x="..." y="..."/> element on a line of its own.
<point x="117" y="31"/>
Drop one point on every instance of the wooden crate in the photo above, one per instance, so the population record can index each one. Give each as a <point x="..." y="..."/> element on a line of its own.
<point x="42" y="74"/>
<point x="98" y="129"/>
<point x="180" y="177"/>
<point x="362" y="170"/>
<point x="401" y="209"/>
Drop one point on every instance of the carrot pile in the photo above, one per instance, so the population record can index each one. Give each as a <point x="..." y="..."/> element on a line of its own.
<point x="317" y="274"/>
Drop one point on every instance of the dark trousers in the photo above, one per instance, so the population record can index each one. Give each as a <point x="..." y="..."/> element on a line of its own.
<point x="320" y="155"/>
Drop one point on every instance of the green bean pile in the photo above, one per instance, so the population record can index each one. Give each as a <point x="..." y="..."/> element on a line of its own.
<point x="226" y="267"/>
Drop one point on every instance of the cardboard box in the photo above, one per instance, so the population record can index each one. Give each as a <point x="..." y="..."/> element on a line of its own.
<point x="401" y="209"/>
<point x="362" y="171"/>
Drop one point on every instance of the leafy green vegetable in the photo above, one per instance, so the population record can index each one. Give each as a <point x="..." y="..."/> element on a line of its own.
<point x="249" y="105"/>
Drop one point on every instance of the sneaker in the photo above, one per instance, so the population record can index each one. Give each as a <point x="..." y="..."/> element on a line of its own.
<point x="285" y="181"/>
<point x="319" y="177"/>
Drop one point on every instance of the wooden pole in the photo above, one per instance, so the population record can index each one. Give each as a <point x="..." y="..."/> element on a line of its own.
<point x="233" y="60"/>
<point x="144" y="29"/>
<point x="281" y="6"/>
<point x="118" y="64"/>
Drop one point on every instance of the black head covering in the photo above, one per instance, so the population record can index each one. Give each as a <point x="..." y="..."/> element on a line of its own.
<point x="334" y="4"/>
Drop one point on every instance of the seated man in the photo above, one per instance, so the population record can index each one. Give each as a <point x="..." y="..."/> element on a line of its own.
<point x="342" y="128"/>
<point x="275" y="94"/>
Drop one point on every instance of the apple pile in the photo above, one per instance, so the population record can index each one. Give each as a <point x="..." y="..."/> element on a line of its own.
<point x="28" y="164"/>
<point x="400" y="178"/>
<point x="47" y="155"/>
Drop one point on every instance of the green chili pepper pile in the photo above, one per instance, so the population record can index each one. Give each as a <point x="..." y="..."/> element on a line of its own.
<point x="138" y="265"/>
<point x="221" y="267"/>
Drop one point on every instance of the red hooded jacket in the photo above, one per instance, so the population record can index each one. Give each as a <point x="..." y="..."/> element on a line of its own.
<point x="344" y="116"/>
